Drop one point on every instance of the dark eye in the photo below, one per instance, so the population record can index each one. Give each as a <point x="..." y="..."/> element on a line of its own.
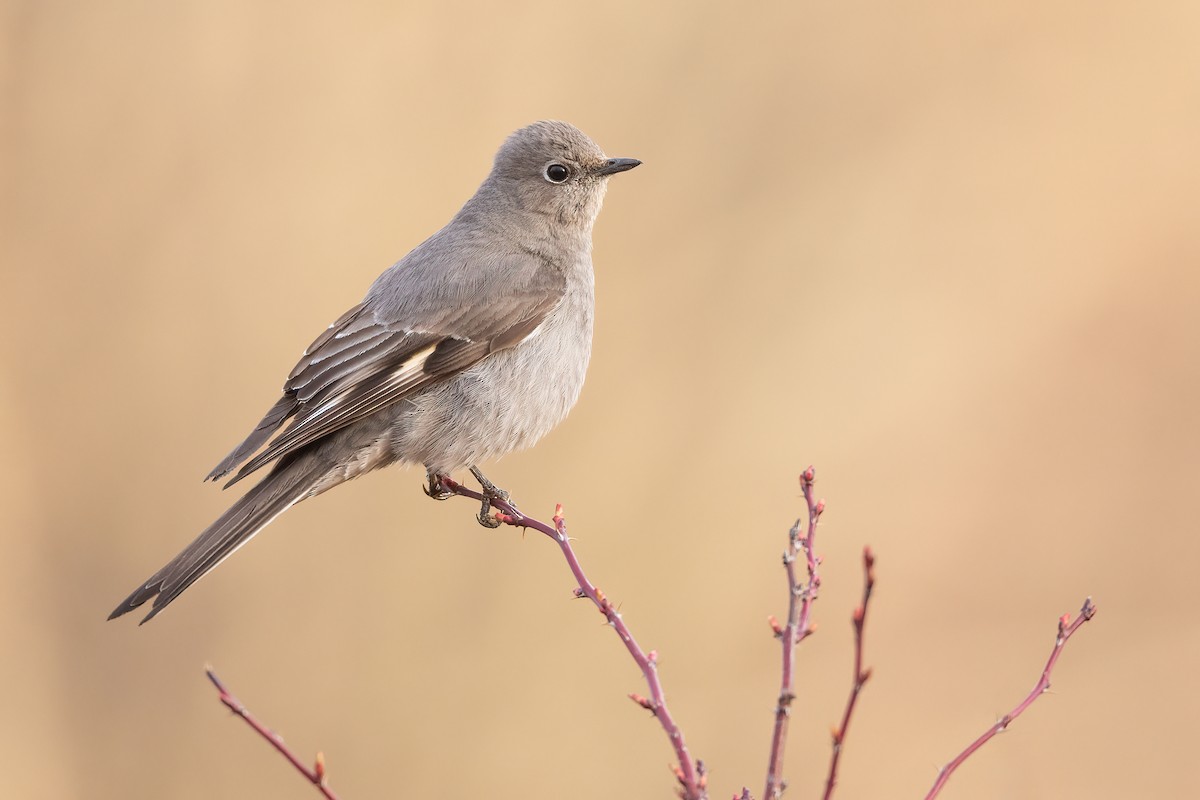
<point x="557" y="173"/>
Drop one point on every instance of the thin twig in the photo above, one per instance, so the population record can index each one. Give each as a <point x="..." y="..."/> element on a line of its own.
<point x="861" y="675"/>
<point x="689" y="772"/>
<point x="315" y="774"/>
<point x="1066" y="628"/>
<point x="799" y="626"/>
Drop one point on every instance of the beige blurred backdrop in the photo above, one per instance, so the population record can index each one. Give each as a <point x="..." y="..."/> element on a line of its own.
<point x="946" y="252"/>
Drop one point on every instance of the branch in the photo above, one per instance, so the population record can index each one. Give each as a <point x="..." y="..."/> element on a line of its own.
<point x="1066" y="629"/>
<point x="316" y="775"/>
<point x="800" y="601"/>
<point x="689" y="772"/>
<point x="861" y="676"/>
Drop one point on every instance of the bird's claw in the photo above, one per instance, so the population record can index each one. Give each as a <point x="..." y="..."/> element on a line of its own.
<point x="490" y="492"/>
<point x="436" y="489"/>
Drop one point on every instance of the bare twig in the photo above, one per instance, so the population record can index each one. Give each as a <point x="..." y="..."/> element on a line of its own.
<point x="798" y="627"/>
<point x="315" y="774"/>
<point x="861" y="675"/>
<point x="688" y="772"/>
<point x="1066" y="628"/>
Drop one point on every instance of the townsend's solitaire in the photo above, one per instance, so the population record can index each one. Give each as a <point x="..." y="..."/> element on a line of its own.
<point x="473" y="345"/>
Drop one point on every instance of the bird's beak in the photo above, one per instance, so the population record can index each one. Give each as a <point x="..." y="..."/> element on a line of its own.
<point x="615" y="165"/>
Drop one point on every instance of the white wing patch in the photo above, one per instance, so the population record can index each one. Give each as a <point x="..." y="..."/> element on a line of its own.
<point x="532" y="333"/>
<point x="406" y="372"/>
<point x="414" y="365"/>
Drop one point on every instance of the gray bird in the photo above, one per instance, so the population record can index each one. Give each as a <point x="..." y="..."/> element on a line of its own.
<point x="472" y="346"/>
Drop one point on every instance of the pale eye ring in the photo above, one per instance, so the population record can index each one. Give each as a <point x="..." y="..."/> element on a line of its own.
<point x="556" y="172"/>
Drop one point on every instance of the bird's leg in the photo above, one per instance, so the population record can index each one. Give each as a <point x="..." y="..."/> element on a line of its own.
<point x="490" y="491"/>
<point x="436" y="489"/>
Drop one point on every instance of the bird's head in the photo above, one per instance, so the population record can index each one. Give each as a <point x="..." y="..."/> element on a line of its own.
<point x="553" y="168"/>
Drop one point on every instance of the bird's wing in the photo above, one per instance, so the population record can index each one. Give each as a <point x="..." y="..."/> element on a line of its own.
<point x="411" y="331"/>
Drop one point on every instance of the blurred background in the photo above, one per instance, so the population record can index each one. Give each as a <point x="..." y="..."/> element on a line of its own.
<point x="947" y="253"/>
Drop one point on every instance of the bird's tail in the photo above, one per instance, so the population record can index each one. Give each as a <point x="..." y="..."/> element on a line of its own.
<point x="287" y="484"/>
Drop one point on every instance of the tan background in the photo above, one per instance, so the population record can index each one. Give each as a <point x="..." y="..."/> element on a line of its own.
<point x="946" y="252"/>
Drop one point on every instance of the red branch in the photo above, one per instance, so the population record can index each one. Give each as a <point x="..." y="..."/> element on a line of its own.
<point x="689" y="772"/>
<point x="1066" y="629"/>
<point x="799" y="626"/>
<point x="316" y="774"/>
<point x="861" y="676"/>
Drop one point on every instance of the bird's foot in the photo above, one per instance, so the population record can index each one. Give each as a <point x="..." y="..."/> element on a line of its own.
<point x="436" y="489"/>
<point x="490" y="492"/>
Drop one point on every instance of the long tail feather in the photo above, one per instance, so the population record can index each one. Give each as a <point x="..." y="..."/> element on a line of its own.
<point x="286" y="485"/>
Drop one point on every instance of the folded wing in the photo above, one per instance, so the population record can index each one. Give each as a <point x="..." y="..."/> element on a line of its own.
<point x="365" y="362"/>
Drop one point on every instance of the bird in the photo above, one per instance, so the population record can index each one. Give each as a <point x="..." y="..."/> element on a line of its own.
<point x="472" y="346"/>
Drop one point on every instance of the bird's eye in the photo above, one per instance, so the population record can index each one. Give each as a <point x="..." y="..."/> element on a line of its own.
<point x="557" y="173"/>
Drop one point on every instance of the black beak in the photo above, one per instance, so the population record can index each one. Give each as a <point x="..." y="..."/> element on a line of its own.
<point x="615" y="165"/>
